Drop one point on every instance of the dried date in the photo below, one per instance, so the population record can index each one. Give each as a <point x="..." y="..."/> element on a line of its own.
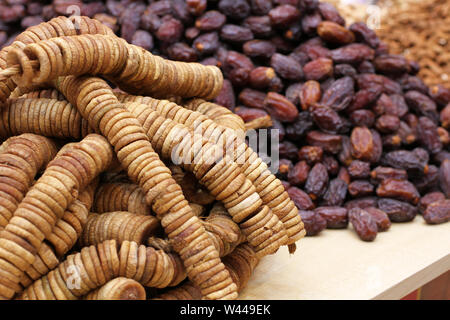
<point x="336" y="193"/>
<point x="340" y="94"/>
<point x="296" y="130"/>
<point x="210" y="21"/>
<point x="387" y="123"/>
<point x="363" y="223"/>
<point x="260" y="26"/>
<point x="362" y="203"/>
<point x="440" y="94"/>
<point x="226" y="96"/>
<point x="314" y="222"/>
<point x="428" y="135"/>
<point x="352" y="54"/>
<point x="318" y="69"/>
<point x="286" y="67"/>
<point x="327" y="119"/>
<point x="428" y="199"/>
<point x="410" y="161"/>
<point x="445" y="117"/>
<point x="205" y="44"/>
<point x="382" y="173"/>
<point x="335" y="33"/>
<point x="310" y="94"/>
<point x="360" y="188"/>
<point x="398" y="211"/>
<point x="284" y="167"/>
<point x="362" y="143"/>
<point x="330" y="13"/>
<point x="259" y="49"/>
<point x="344" y="70"/>
<point x="398" y="189"/>
<point x="437" y="212"/>
<point x="234" y="9"/>
<point x="311" y="154"/>
<point x="380" y="217"/>
<point x="365" y="98"/>
<point x="284" y="15"/>
<point x="336" y="217"/>
<point x="300" y="198"/>
<point x="428" y="180"/>
<point x="364" y="34"/>
<point x="344" y="175"/>
<point x="252" y="98"/>
<point x="391" y="64"/>
<point x="262" y="78"/>
<point x="299" y="173"/>
<point x="317" y="181"/>
<point x="250" y="114"/>
<point x="362" y="117"/>
<point x="422" y="104"/>
<point x="328" y="142"/>
<point x="288" y="150"/>
<point x="331" y="164"/>
<point x="280" y="107"/>
<point x="359" y="169"/>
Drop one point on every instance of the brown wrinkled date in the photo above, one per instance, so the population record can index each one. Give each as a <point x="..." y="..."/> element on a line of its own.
<point x="336" y="217"/>
<point x="317" y="181"/>
<point x="280" y="107"/>
<point x="398" y="189"/>
<point x="311" y="154"/>
<point x="362" y="144"/>
<point x="428" y="199"/>
<point x="301" y="199"/>
<point x="363" y="223"/>
<point x="310" y="94"/>
<point x="313" y="221"/>
<point x="437" y="212"/>
<point x="359" y="169"/>
<point x="360" y="188"/>
<point x="298" y="174"/>
<point x="335" y="33"/>
<point x="380" y="217"/>
<point x="336" y="193"/>
<point x="398" y="211"/>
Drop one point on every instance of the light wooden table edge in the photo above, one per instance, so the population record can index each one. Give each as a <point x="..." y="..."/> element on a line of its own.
<point x="416" y="254"/>
<point x="416" y="280"/>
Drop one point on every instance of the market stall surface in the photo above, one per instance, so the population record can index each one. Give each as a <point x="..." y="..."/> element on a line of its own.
<point x="337" y="265"/>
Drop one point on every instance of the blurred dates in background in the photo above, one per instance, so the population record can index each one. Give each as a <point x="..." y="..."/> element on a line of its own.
<point x="363" y="141"/>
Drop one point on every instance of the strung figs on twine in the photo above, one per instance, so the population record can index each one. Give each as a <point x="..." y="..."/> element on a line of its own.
<point x="152" y="193"/>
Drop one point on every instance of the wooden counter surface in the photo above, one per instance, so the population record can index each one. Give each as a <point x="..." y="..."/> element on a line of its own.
<point x="337" y="265"/>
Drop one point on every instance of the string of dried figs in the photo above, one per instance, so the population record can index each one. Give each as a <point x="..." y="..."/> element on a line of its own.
<point x="293" y="232"/>
<point x="134" y="69"/>
<point x="63" y="237"/>
<point x="107" y="116"/>
<point x="241" y="263"/>
<point x="73" y="168"/>
<point x="267" y="186"/>
<point x="118" y="289"/>
<point x="350" y="114"/>
<point x="149" y="267"/>
<point x="21" y="158"/>
<point x="147" y="118"/>
<point x="136" y="154"/>
<point x="57" y="27"/>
